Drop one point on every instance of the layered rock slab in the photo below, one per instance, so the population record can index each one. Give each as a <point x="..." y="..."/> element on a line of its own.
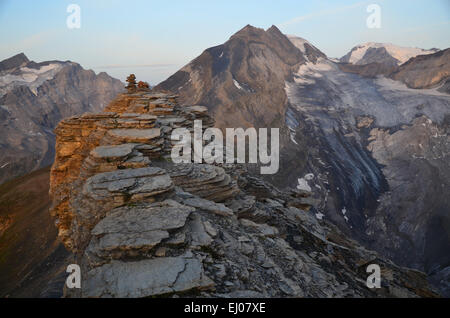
<point x="134" y="230"/>
<point x="146" y="278"/>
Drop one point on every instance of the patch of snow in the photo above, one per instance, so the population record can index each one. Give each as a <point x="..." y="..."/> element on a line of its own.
<point x="319" y="216"/>
<point x="303" y="185"/>
<point x="221" y="54"/>
<point x="309" y="176"/>
<point x="236" y="83"/>
<point x="33" y="78"/>
<point x="314" y="69"/>
<point x="308" y="73"/>
<point x="292" y="135"/>
<point x="298" y="42"/>
<point x="4" y="165"/>
<point x="344" y="211"/>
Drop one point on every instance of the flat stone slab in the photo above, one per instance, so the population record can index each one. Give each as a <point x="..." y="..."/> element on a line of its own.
<point x="136" y="183"/>
<point x="145" y="278"/>
<point x="117" y="245"/>
<point x="197" y="109"/>
<point x="138" y="116"/>
<point x="210" y="206"/>
<point x="136" y="229"/>
<point x="135" y="135"/>
<point x="113" y="152"/>
<point x="126" y="174"/>
<point x="165" y="215"/>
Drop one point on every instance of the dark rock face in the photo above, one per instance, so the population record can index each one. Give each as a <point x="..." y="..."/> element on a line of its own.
<point x="34" y="97"/>
<point x="425" y="71"/>
<point x="13" y="62"/>
<point x="241" y="80"/>
<point x="327" y="117"/>
<point x="378" y="55"/>
<point x="33" y="261"/>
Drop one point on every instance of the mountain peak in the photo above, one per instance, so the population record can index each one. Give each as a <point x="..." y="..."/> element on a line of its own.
<point x="248" y="30"/>
<point x="14" y="61"/>
<point x="274" y="28"/>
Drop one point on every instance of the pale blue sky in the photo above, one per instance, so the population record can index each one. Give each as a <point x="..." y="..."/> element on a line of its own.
<point x="155" y="38"/>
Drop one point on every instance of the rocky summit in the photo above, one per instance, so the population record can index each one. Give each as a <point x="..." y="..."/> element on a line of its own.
<point x="140" y="225"/>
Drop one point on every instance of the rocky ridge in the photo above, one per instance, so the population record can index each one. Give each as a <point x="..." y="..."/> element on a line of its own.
<point x="140" y="225"/>
<point x="326" y="116"/>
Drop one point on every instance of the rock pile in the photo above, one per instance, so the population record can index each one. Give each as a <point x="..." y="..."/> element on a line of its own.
<point x="140" y="225"/>
<point x="206" y="181"/>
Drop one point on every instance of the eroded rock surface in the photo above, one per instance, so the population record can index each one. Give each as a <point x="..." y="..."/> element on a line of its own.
<point x="140" y="225"/>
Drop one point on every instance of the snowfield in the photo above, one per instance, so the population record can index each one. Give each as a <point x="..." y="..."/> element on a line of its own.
<point x="31" y="77"/>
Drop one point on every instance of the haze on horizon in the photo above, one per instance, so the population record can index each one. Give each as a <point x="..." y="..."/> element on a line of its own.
<point x="154" y="39"/>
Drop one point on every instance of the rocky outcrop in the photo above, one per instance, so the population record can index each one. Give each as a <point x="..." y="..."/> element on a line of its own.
<point x="140" y="225"/>
<point x="34" y="97"/>
<point x="417" y="226"/>
<point x="13" y="62"/>
<point x="425" y="71"/>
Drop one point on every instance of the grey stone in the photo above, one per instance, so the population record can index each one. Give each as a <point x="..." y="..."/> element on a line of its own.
<point x="145" y="278"/>
<point x="165" y="215"/>
<point x="216" y="208"/>
<point x="197" y="232"/>
<point x="113" y="152"/>
<point x="264" y="229"/>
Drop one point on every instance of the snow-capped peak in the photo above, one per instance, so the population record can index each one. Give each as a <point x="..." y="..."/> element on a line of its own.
<point x="310" y="52"/>
<point x="401" y="54"/>
<point x="298" y="42"/>
<point x="31" y="76"/>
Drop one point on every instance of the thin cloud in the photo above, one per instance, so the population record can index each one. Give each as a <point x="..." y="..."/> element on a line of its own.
<point x="322" y="13"/>
<point x="32" y="41"/>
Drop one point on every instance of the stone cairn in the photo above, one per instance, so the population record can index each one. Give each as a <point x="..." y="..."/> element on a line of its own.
<point x="143" y="86"/>
<point x="140" y="225"/>
<point x="131" y="80"/>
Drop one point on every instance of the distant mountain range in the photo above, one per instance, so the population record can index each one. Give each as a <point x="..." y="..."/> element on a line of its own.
<point x="382" y="53"/>
<point x="415" y="67"/>
<point x="34" y="97"/>
<point x="373" y="150"/>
